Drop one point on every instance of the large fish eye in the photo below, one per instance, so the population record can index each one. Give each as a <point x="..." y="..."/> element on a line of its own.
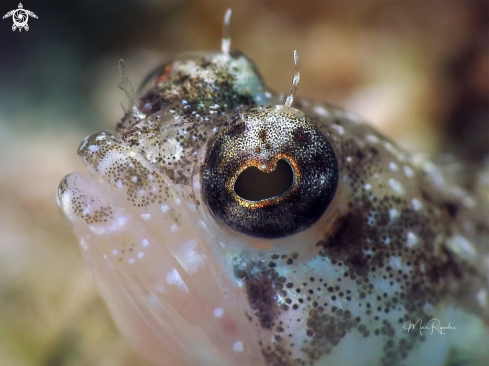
<point x="271" y="174"/>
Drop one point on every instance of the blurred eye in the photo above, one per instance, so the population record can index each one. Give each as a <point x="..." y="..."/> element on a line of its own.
<point x="157" y="75"/>
<point x="271" y="174"/>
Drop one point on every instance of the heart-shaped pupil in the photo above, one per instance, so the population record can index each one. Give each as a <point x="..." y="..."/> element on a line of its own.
<point x="255" y="185"/>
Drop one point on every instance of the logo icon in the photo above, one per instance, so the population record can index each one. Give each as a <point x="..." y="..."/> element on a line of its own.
<point x="20" y="17"/>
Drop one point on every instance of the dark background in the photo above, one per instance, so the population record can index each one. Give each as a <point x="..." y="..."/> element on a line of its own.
<point x="418" y="70"/>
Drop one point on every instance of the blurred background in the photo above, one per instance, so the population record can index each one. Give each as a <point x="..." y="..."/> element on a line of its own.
<point x="419" y="71"/>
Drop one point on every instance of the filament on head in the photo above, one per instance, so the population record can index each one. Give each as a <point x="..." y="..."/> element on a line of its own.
<point x="295" y="81"/>
<point x="129" y="102"/>
<point x="226" y="33"/>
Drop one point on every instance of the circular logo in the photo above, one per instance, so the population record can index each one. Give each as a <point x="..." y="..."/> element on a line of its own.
<point x="20" y="18"/>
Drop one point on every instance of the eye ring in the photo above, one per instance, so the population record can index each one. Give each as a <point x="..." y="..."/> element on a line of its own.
<point x="260" y="136"/>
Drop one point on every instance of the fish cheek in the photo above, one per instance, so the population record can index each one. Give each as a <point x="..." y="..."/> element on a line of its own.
<point x="346" y="242"/>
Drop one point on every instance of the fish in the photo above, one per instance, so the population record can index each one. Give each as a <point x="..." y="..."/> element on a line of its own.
<point x="228" y="224"/>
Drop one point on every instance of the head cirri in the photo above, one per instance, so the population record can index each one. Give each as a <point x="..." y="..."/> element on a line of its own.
<point x="227" y="224"/>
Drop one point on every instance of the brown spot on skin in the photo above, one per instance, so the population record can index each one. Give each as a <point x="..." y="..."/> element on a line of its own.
<point x="360" y="155"/>
<point x="347" y="242"/>
<point x="182" y="78"/>
<point x="451" y="208"/>
<point x="300" y="135"/>
<point x="374" y="151"/>
<point x="326" y="330"/>
<point x="445" y="269"/>
<point x="262" y="135"/>
<point x="277" y="356"/>
<point x="236" y="130"/>
<point x="261" y="289"/>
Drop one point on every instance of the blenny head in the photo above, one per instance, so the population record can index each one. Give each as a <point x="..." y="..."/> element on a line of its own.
<point x="226" y="224"/>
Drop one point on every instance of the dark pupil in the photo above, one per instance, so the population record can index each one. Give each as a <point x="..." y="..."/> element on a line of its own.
<point x="254" y="185"/>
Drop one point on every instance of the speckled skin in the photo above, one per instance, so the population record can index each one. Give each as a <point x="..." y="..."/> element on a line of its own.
<point x="395" y="243"/>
